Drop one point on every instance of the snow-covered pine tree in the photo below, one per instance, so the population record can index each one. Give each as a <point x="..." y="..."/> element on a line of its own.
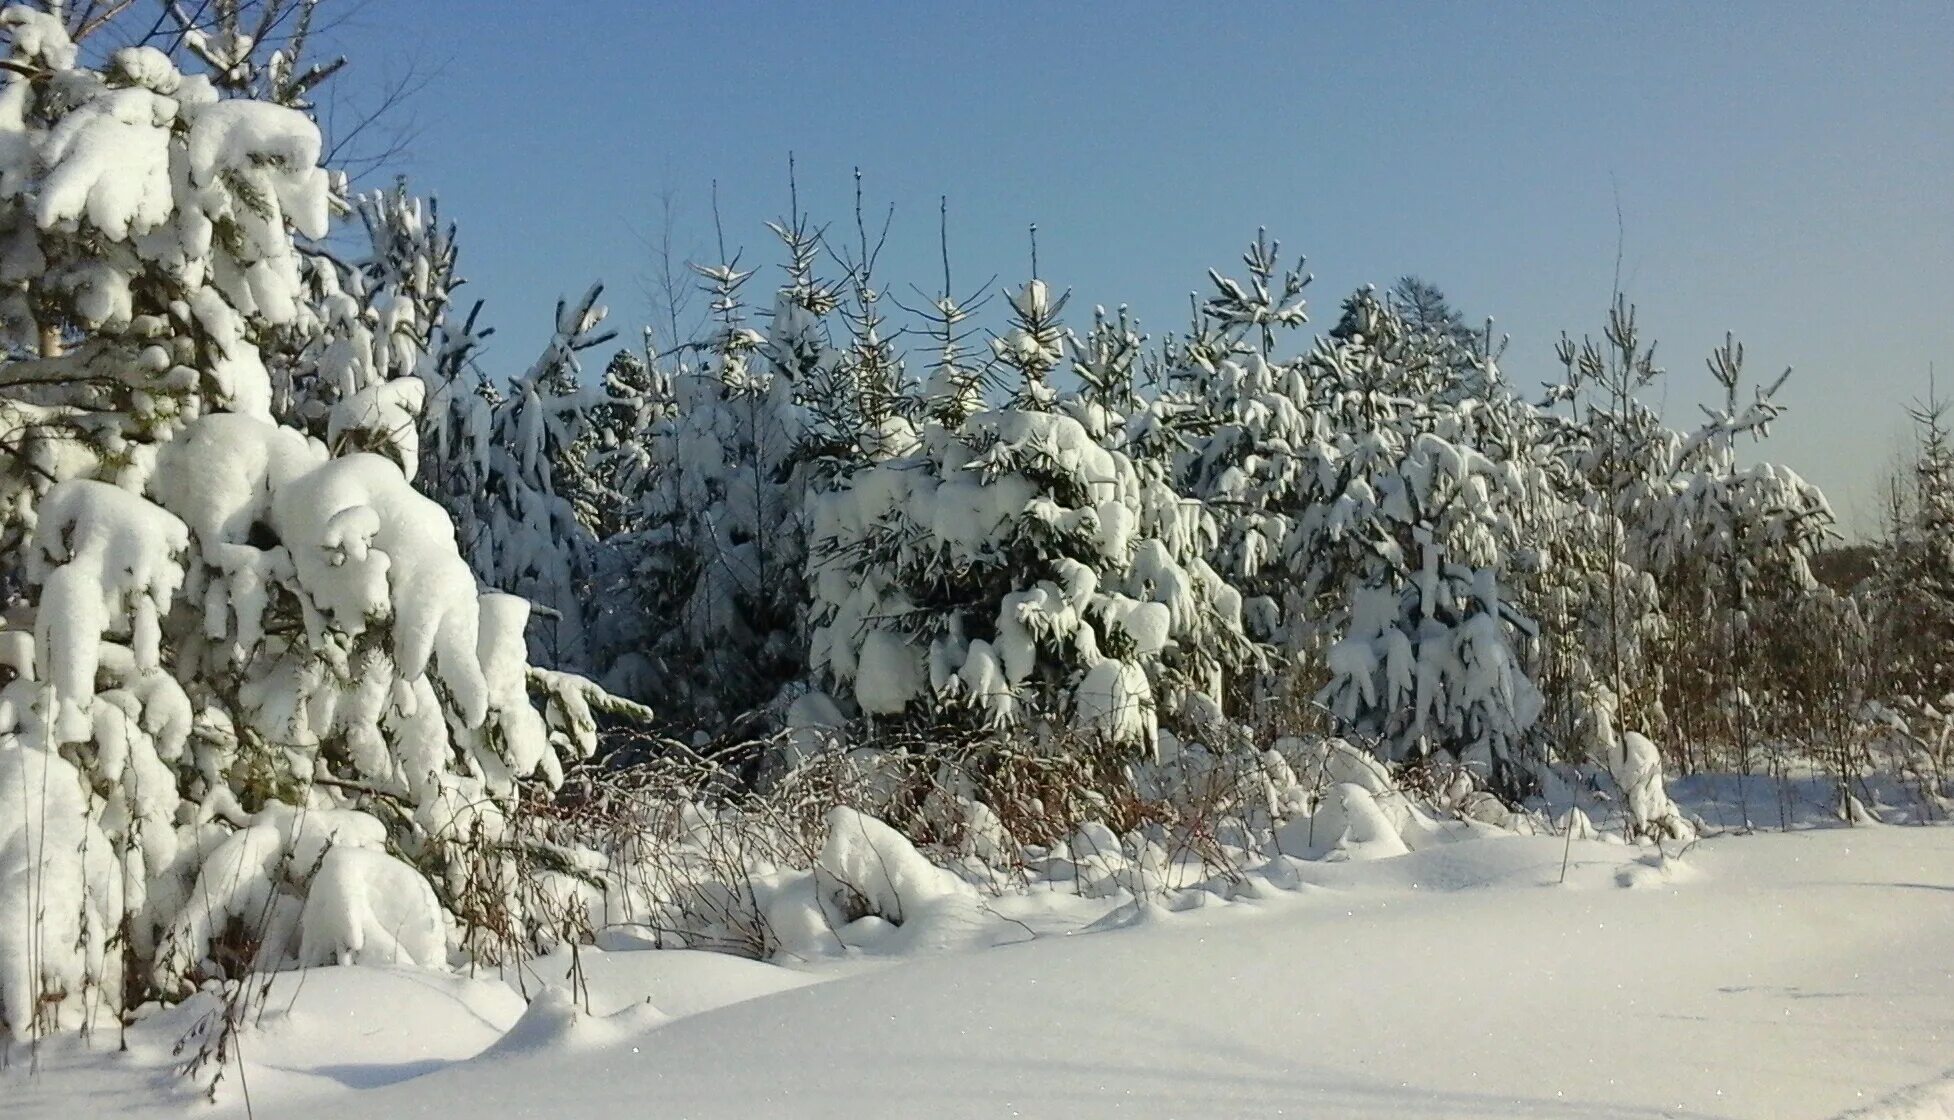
<point x="1654" y="507"/>
<point x="1728" y="541"/>
<point x="644" y="571"/>
<point x="1252" y="312"/>
<point x="1213" y="663"/>
<point x="602" y="473"/>
<point x="1599" y="605"/>
<point x="361" y="381"/>
<point x="1376" y="543"/>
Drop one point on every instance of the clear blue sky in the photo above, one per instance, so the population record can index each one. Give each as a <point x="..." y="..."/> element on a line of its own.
<point x="1785" y="170"/>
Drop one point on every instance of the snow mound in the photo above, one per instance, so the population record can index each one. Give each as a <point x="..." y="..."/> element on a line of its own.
<point x="1362" y="831"/>
<point x="627" y="968"/>
<point x="317" y="886"/>
<point x="366" y="906"/>
<point x="1637" y="769"/>
<point x="868" y="869"/>
<point x="554" y="1021"/>
<point x="869" y="878"/>
<point x="1361" y="814"/>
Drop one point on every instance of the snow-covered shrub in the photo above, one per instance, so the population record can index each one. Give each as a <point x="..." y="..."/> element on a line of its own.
<point x="1342" y="802"/>
<point x="884" y="847"/>
<point x="303" y="886"/>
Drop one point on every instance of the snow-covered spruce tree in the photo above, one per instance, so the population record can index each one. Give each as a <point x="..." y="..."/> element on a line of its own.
<point x="1424" y="309"/>
<point x="1213" y="662"/>
<point x="1440" y="332"/>
<point x="714" y="569"/>
<point x="1017" y="570"/>
<point x="650" y="573"/>
<point x="1255" y="452"/>
<point x="394" y="370"/>
<point x="953" y="388"/>
<point x="612" y="478"/>
<point x="357" y="377"/>
<point x="873" y="372"/>
<point x="1912" y="596"/>
<point x="1419" y="545"/>
<point x="763" y="416"/>
<point x="603" y="472"/>
<point x="1257" y="455"/>
<point x="249" y="692"/>
<point x="1032" y="346"/>
<point x="489" y="456"/>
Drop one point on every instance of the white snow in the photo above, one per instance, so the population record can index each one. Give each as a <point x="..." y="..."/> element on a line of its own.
<point x="108" y="565"/>
<point x="1932" y="1101"/>
<point x="1790" y="976"/>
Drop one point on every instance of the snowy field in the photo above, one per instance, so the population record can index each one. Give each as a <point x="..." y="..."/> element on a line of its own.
<point x="1778" y="975"/>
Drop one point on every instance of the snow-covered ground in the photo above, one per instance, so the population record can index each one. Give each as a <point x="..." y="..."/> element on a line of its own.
<point x="1786" y="975"/>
